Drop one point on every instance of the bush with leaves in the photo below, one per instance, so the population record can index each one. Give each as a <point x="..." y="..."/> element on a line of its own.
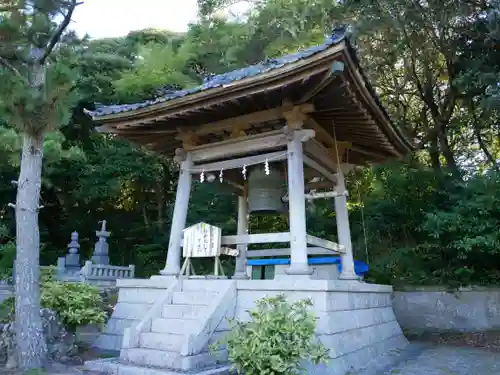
<point x="7" y="255"/>
<point x="75" y="303"/>
<point x="279" y="336"/>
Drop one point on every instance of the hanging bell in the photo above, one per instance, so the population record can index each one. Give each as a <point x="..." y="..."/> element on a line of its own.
<point x="265" y="191"/>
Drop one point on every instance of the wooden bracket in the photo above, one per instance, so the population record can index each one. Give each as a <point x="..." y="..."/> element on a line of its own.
<point x="238" y="131"/>
<point x="189" y="139"/>
<point x="296" y="115"/>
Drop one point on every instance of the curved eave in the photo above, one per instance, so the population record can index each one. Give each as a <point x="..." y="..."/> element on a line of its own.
<point x="200" y="99"/>
<point x="295" y="72"/>
<point x="370" y="93"/>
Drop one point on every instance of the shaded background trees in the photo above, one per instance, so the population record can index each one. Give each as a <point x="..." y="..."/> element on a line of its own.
<point x="432" y="218"/>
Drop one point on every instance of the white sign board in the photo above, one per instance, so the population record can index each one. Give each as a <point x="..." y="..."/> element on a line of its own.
<point x="202" y="241"/>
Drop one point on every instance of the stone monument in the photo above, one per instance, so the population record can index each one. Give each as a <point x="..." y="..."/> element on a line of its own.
<point x="72" y="260"/>
<point x="101" y="246"/>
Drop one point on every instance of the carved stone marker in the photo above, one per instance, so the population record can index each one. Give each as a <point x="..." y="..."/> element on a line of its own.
<point x="101" y="246"/>
<point x="73" y="258"/>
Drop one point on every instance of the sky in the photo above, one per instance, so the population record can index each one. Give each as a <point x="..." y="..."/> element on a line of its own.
<point x="112" y="18"/>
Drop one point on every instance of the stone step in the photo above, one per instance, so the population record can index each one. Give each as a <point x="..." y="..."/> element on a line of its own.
<point x="171" y="360"/>
<point x="124" y="369"/>
<point x="212" y="285"/>
<point x="173" y="326"/>
<point x="194" y="298"/>
<point x="182" y="311"/>
<point x="113" y="366"/>
<point x="172" y="343"/>
<point x="161" y="341"/>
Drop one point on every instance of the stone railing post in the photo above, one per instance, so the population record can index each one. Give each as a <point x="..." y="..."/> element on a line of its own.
<point x="86" y="271"/>
<point x="131" y="274"/>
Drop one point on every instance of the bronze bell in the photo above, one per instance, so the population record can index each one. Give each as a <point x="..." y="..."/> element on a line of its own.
<point x="265" y="191"/>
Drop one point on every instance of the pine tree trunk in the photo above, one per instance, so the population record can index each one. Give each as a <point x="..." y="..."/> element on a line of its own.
<point x="31" y="346"/>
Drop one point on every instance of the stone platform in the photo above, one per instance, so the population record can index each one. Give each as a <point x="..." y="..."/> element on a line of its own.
<point x="172" y="322"/>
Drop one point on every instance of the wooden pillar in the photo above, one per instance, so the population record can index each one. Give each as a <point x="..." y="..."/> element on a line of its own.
<point x="173" y="266"/>
<point x="240" y="271"/>
<point x="297" y="208"/>
<point x="343" y="230"/>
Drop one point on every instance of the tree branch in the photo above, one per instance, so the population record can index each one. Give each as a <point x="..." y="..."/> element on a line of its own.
<point x="11" y="67"/>
<point x="59" y="31"/>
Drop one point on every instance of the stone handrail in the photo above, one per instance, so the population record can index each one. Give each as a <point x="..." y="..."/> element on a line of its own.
<point x="131" y="335"/>
<point x="218" y="310"/>
<point x="105" y="272"/>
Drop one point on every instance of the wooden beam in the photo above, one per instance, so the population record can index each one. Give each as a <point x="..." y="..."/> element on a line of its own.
<point x="237" y="163"/>
<point x="325" y="81"/>
<point x="241" y="123"/>
<point x="140" y="132"/>
<point x="322" y="134"/>
<point x="317" y="152"/>
<point x="319" y="185"/>
<point x="245" y="145"/>
<point x="319" y="168"/>
<point x="285" y="252"/>
<point x="319" y="242"/>
<point x="246" y="239"/>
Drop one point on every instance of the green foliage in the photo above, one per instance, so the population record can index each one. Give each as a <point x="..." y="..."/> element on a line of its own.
<point x="421" y="232"/>
<point x="419" y="226"/>
<point x="7" y="256"/>
<point x="75" y="303"/>
<point x="7" y="310"/>
<point x="157" y="65"/>
<point x="277" y="338"/>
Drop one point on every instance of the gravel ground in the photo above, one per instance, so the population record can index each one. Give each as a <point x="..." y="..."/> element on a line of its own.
<point x="446" y="360"/>
<point x="417" y="359"/>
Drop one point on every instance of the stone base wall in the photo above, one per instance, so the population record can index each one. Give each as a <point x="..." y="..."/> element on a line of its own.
<point x="355" y="320"/>
<point x="434" y="309"/>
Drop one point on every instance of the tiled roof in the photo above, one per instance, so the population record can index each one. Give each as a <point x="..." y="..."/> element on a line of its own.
<point x="225" y="78"/>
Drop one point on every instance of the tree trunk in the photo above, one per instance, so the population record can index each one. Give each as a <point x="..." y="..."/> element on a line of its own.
<point x="484" y="147"/>
<point x="31" y="346"/>
<point x="446" y="150"/>
<point x="433" y="151"/>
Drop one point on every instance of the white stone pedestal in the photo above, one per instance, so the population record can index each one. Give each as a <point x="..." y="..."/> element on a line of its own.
<point x="355" y="322"/>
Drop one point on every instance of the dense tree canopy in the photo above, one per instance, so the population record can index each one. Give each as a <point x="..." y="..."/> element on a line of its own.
<point x="432" y="218"/>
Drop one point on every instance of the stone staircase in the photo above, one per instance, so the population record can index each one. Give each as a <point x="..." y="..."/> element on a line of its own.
<point x="175" y="335"/>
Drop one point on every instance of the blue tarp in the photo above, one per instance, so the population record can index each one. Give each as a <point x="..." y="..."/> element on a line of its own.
<point x="361" y="268"/>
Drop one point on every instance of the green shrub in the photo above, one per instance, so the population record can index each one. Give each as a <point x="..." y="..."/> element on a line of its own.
<point x="276" y="339"/>
<point x="75" y="303"/>
<point x="7" y="255"/>
<point x="7" y="310"/>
